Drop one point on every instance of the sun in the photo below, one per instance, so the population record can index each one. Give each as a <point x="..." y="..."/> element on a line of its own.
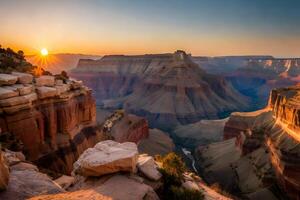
<point x="44" y="52"/>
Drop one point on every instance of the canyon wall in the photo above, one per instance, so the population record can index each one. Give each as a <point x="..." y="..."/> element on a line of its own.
<point x="167" y="89"/>
<point x="270" y="137"/>
<point x="47" y="115"/>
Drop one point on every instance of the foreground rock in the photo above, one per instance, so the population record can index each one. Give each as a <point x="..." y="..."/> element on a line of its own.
<point x="26" y="181"/>
<point x="115" y="188"/>
<point x="107" y="157"/>
<point x="148" y="167"/>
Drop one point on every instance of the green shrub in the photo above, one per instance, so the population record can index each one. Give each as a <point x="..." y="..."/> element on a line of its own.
<point x="172" y="170"/>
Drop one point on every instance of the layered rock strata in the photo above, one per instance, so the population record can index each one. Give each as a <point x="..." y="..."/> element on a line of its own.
<point x="167" y="89"/>
<point x="47" y="115"/>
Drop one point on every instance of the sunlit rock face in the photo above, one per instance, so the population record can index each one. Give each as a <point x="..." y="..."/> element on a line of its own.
<point x="269" y="138"/>
<point x="48" y="117"/>
<point x="167" y="89"/>
<point x="284" y="138"/>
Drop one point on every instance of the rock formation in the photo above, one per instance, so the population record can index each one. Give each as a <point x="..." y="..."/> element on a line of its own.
<point x="46" y="114"/>
<point x="26" y="180"/>
<point x="158" y="143"/>
<point x="262" y="149"/>
<point x="167" y="89"/>
<point x="107" y="157"/>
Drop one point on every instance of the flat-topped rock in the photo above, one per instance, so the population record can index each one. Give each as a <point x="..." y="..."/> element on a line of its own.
<point x="23" y="78"/>
<point x="7" y="93"/>
<point x="45" y="81"/>
<point x="6" y="79"/>
<point x="13" y="101"/>
<point x="24" y="89"/>
<point x="148" y="167"/>
<point x="107" y="157"/>
<point x="46" y="92"/>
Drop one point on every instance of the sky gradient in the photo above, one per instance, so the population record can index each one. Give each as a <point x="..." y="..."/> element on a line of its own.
<point x="201" y="27"/>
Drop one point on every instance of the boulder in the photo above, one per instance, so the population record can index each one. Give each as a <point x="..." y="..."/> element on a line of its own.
<point x="28" y="183"/>
<point x="148" y="167"/>
<point x="6" y="79"/>
<point x="59" y="82"/>
<point x="23" y="78"/>
<point x="45" y="81"/>
<point x="107" y="157"/>
<point x="46" y="92"/>
<point x="13" y="157"/>
<point x="117" y="187"/>
<point x="128" y="189"/>
<point x="65" y="181"/>
<point x="21" y="166"/>
<point x="13" y="101"/>
<point x="7" y="93"/>
<point x="4" y="173"/>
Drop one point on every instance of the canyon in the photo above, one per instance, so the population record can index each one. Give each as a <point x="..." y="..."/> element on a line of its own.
<point x="167" y="89"/>
<point x="259" y="149"/>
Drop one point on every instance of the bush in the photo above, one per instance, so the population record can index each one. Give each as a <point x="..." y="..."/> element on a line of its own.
<point x="172" y="170"/>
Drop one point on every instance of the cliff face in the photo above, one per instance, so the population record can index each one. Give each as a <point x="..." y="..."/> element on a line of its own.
<point x="274" y="132"/>
<point x="167" y="89"/>
<point x="284" y="139"/>
<point x="47" y="116"/>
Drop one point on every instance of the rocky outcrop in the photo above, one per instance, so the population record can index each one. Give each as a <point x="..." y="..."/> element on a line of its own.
<point x="107" y="157"/>
<point x="25" y="180"/>
<point x="148" y="167"/>
<point x="200" y="133"/>
<point x="158" y="143"/>
<point x="245" y="121"/>
<point x="123" y="127"/>
<point x="47" y="119"/>
<point x="167" y="89"/>
<point x="283" y="140"/>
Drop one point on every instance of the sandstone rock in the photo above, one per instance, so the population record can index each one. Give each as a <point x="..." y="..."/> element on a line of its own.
<point x="4" y="173"/>
<point x="59" y="82"/>
<point x="65" y="181"/>
<point x="148" y="167"/>
<point x="158" y="142"/>
<point x="45" y="81"/>
<point x="13" y="101"/>
<point x="6" y="79"/>
<point x="22" y="166"/>
<point x="27" y="183"/>
<point x="26" y="89"/>
<point x="107" y="157"/>
<point x="62" y="88"/>
<point x="7" y="93"/>
<point x="16" y="108"/>
<point x="46" y="92"/>
<point x="128" y="189"/>
<point x="13" y="157"/>
<point x="31" y="97"/>
<point x="23" y="78"/>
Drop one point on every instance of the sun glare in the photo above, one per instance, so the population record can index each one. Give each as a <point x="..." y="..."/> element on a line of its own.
<point x="44" y="52"/>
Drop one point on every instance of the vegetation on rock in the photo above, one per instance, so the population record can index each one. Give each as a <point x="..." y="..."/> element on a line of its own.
<point x="172" y="170"/>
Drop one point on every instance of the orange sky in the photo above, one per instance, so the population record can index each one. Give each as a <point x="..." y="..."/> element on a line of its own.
<point x="101" y="27"/>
